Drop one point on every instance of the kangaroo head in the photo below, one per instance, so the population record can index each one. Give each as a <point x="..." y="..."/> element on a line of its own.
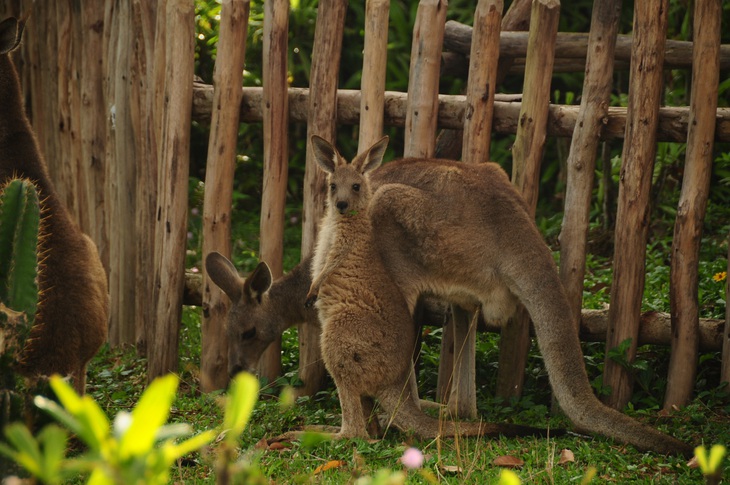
<point x="348" y="182"/>
<point x="250" y="324"/>
<point x="11" y="30"/>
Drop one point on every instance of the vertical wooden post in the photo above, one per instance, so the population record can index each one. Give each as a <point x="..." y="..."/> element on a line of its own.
<point x="173" y="187"/>
<point x="632" y="218"/>
<point x="322" y="121"/>
<point x="684" y="268"/>
<point x="276" y="153"/>
<point x="121" y="178"/>
<point x="423" y="80"/>
<point x="581" y="163"/>
<point x="218" y="199"/>
<point x="484" y="59"/>
<point x="527" y="156"/>
<point x="372" y="86"/>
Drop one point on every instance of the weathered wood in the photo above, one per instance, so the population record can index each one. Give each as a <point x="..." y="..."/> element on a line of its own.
<point x="322" y="121"/>
<point x="477" y="135"/>
<point x="173" y="194"/>
<point x="684" y="267"/>
<point x="725" y="368"/>
<point x="574" y="45"/>
<point x="276" y="162"/>
<point x="218" y="198"/>
<point x="527" y="156"/>
<point x="423" y="79"/>
<point x="121" y="178"/>
<point x="561" y="118"/>
<point x="372" y="86"/>
<point x="645" y="91"/>
<point x="581" y="164"/>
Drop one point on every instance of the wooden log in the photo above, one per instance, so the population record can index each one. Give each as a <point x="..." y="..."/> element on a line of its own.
<point x="574" y="45"/>
<point x="322" y="121"/>
<point x="276" y="153"/>
<point x="93" y="127"/>
<point x="581" y="164"/>
<point x="171" y="234"/>
<point x="477" y="136"/>
<point x="121" y="178"/>
<point x="375" y="62"/>
<point x="423" y="79"/>
<point x="517" y="17"/>
<point x="684" y="267"/>
<point x="218" y="198"/>
<point x="561" y="118"/>
<point x="527" y="156"/>
<point x="645" y="91"/>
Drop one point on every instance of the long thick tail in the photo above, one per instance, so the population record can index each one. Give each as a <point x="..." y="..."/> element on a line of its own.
<point x="408" y="417"/>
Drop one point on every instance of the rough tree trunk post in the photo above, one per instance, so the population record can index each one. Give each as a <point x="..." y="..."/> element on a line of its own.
<point x="581" y="163"/>
<point x="172" y="205"/>
<point x="218" y="199"/>
<point x="684" y="268"/>
<point x="121" y="179"/>
<point x="480" y="93"/>
<point x="322" y="121"/>
<point x="276" y="153"/>
<point x="632" y="217"/>
<point x="372" y="86"/>
<point x="449" y="142"/>
<point x="150" y="29"/>
<point x="423" y="80"/>
<point x="527" y="156"/>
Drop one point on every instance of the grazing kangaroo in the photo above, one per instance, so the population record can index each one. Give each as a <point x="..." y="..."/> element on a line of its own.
<point x="367" y="329"/>
<point x="460" y="232"/>
<point x="71" y="321"/>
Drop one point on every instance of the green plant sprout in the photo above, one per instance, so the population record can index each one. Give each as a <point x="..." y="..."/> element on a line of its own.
<point x="138" y="447"/>
<point x="710" y="463"/>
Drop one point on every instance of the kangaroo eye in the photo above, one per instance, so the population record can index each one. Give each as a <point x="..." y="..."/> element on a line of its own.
<point x="356" y="187"/>
<point x="333" y="187"/>
<point x="248" y="334"/>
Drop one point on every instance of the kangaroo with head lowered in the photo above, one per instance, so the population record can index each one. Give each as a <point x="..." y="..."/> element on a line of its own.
<point x="366" y="322"/>
<point x="71" y="320"/>
<point x="460" y="232"/>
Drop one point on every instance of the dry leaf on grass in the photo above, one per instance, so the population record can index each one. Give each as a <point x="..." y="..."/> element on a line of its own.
<point x="329" y="466"/>
<point x="279" y="445"/>
<point x="508" y="461"/>
<point x="450" y="469"/>
<point x="566" y="456"/>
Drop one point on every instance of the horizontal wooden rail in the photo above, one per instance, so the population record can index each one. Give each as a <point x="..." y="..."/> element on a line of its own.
<point x="561" y="118"/>
<point x="655" y="327"/>
<point x="569" y="45"/>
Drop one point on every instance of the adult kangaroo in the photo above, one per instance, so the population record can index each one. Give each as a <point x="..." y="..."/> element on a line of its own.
<point x="71" y="321"/>
<point x="460" y="232"/>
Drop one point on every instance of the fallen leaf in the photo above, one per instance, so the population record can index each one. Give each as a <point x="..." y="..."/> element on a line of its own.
<point x="693" y="463"/>
<point x="262" y="444"/>
<point x="566" y="456"/>
<point x="508" y="461"/>
<point x="451" y="469"/>
<point x="329" y="466"/>
<point x="280" y="445"/>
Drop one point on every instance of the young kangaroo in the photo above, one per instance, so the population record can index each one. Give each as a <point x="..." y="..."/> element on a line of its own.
<point x="71" y="320"/>
<point x="460" y="232"/>
<point x="368" y="334"/>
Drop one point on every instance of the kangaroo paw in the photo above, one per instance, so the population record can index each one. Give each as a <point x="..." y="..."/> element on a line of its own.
<point x="311" y="299"/>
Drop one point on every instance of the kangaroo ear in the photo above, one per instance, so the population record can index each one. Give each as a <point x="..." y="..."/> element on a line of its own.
<point x="258" y="282"/>
<point x="373" y="157"/>
<point x="11" y="31"/>
<point x="325" y="154"/>
<point x="222" y="272"/>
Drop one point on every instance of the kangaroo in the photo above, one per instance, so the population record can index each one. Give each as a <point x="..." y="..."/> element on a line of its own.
<point x="460" y="232"/>
<point x="366" y="322"/>
<point x="71" y="321"/>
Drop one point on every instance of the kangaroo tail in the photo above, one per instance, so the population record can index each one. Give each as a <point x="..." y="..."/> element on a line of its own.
<point x="408" y="417"/>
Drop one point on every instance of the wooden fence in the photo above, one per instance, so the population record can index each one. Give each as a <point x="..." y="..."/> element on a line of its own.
<point x="112" y="98"/>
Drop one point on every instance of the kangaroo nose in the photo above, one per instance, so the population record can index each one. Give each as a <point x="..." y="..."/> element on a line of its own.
<point x="342" y="206"/>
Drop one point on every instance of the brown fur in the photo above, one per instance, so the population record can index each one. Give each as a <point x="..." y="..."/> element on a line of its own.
<point x="71" y="322"/>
